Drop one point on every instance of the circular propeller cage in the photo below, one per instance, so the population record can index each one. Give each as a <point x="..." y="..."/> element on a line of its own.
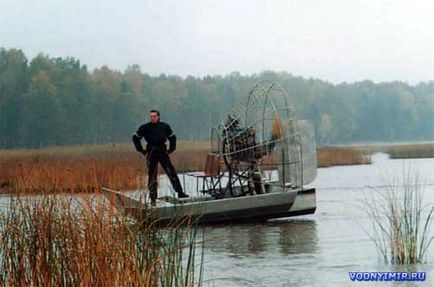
<point x="262" y="133"/>
<point x="253" y="128"/>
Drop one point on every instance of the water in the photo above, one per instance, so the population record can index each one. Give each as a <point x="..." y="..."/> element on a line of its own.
<point x="318" y="249"/>
<point x="312" y="250"/>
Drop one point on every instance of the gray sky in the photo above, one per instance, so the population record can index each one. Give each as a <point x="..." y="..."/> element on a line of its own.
<point x="335" y="40"/>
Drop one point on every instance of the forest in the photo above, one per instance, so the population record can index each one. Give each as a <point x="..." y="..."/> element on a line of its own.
<point x="49" y="101"/>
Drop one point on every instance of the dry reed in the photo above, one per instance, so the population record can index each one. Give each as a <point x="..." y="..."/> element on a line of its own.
<point x="54" y="240"/>
<point x="401" y="220"/>
<point x="117" y="166"/>
<point x="410" y="150"/>
<point x="329" y="156"/>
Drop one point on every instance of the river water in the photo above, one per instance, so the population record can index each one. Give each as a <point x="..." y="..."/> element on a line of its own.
<point x="318" y="249"/>
<point x="313" y="250"/>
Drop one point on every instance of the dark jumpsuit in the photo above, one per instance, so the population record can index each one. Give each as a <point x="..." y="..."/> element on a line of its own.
<point x="156" y="151"/>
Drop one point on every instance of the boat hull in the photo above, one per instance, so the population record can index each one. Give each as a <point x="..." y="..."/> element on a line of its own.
<point x="228" y="210"/>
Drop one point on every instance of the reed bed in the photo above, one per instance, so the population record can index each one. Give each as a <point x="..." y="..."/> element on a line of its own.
<point x="401" y="220"/>
<point x="54" y="240"/>
<point x="425" y="150"/>
<point x="117" y="166"/>
<point x="330" y="156"/>
<point x="400" y="150"/>
<point x="85" y="168"/>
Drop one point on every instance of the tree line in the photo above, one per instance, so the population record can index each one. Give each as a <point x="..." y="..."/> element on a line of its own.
<point x="57" y="101"/>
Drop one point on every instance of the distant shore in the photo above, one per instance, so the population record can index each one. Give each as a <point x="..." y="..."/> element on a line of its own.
<point x="117" y="165"/>
<point x="422" y="149"/>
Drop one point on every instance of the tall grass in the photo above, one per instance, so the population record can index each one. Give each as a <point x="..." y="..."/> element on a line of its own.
<point x="401" y="150"/>
<point x="62" y="241"/>
<point x="401" y="220"/>
<point x="410" y="151"/>
<point x="330" y="156"/>
<point x="117" y="166"/>
<point x="84" y="168"/>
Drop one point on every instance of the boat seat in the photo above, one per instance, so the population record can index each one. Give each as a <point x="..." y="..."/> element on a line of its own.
<point x="211" y="170"/>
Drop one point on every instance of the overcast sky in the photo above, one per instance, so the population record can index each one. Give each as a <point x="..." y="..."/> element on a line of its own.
<point x="335" y="40"/>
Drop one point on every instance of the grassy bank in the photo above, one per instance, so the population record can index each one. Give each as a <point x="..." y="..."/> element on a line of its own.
<point x="330" y="156"/>
<point x="87" y="168"/>
<point x="57" y="241"/>
<point x="425" y="150"/>
<point x="397" y="150"/>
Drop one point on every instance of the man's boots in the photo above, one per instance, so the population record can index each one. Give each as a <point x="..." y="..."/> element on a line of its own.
<point x="181" y="194"/>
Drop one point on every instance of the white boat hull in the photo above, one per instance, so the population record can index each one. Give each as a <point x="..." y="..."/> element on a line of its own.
<point x="208" y="211"/>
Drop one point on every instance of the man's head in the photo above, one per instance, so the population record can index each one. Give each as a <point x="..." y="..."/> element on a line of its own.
<point x="154" y="115"/>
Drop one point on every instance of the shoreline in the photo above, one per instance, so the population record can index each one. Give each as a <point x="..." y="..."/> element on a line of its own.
<point x="84" y="169"/>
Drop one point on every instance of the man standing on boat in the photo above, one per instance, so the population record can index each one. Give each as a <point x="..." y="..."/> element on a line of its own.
<point x="156" y="133"/>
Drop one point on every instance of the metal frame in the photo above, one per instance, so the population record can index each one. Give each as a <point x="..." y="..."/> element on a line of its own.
<point x="269" y="99"/>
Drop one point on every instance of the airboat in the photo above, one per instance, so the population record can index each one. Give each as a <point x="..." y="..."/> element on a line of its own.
<point x="262" y="159"/>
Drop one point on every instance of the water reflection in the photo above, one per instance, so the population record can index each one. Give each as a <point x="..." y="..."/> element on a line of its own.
<point x="284" y="237"/>
<point x="298" y="236"/>
<point x="256" y="240"/>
